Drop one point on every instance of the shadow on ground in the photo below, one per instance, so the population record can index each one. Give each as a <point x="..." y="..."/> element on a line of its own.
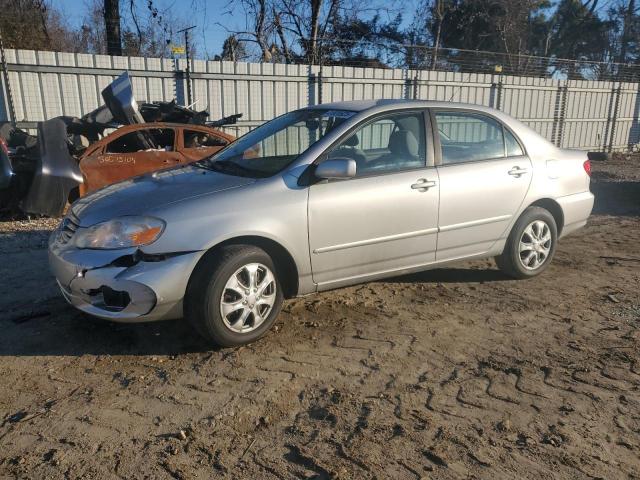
<point x="55" y="328"/>
<point x="619" y="198"/>
<point x="452" y="275"/>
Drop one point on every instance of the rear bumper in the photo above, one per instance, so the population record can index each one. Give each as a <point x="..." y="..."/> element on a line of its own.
<point x="145" y="291"/>
<point x="576" y="209"/>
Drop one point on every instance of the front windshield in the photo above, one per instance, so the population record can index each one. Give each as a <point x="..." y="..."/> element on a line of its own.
<point x="273" y="146"/>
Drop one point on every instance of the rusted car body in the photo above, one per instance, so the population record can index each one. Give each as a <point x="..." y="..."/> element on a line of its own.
<point x="141" y="148"/>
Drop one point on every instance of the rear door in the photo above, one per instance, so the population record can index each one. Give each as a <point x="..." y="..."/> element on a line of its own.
<point x="484" y="177"/>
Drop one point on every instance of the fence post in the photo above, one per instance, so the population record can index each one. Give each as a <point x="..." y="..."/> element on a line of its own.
<point x="559" y="114"/>
<point x="408" y="85"/>
<point x="311" y="86"/>
<point x="178" y="82"/>
<point x="613" y="116"/>
<point x="320" y="85"/>
<point x="495" y="97"/>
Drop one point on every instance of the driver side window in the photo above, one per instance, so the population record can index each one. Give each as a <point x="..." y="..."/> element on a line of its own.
<point x="387" y="144"/>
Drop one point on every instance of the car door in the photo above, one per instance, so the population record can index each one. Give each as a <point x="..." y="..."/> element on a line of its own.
<point x="131" y="153"/>
<point x="385" y="218"/>
<point x="484" y="177"/>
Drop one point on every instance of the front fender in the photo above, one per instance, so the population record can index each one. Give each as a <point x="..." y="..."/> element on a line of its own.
<point x="270" y="209"/>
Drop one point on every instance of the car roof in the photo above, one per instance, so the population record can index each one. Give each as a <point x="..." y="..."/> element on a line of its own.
<point x="362" y="105"/>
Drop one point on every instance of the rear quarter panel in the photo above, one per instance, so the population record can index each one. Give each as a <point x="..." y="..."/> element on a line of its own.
<point x="558" y="175"/>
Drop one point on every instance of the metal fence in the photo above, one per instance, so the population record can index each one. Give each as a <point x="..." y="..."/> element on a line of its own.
<point x="583" y="114"/>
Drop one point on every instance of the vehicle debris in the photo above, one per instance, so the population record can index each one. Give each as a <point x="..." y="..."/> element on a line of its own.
<point x="70" y="156"/>
<point x="56" y="173"/>
<point x="613" y="298"/>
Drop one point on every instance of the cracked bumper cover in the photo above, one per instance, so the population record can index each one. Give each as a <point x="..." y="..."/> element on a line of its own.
<point x="154" y="290"/>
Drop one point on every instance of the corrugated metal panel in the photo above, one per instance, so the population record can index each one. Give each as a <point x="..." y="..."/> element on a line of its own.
<point x="575" y="114"/>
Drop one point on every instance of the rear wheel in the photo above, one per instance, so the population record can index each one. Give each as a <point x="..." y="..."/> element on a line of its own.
<point x="531" y="244"/>
<point x="234" y="295"/>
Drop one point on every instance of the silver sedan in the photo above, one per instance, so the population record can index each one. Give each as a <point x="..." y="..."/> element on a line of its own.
<point x="320" y="198"/>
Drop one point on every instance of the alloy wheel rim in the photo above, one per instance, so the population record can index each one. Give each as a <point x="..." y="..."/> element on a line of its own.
<point x="248" y="298"/>
<point x="535" y="245"/>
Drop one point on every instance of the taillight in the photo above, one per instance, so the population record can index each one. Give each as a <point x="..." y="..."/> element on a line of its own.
<point x="3" y="145"/>
<point x="587" y="167"/>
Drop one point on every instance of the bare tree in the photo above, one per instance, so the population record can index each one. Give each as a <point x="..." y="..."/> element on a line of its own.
<point x="36" y="25"/>
<point x="439" y="13"/>
<point x="112" y="27"/>
<point x="308" y="22"/>
<point x="277" y="22"/>
<point x="259" y="26"/>
<point x="629" y="11"/>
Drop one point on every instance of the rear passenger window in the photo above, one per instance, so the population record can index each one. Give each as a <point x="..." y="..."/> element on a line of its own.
<point x="466" y="137"/>
<point x="511" y="144"/>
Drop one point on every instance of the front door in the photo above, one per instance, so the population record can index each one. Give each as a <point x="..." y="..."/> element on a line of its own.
<point x="385" y="218"/>
<point x="484" y="178"/>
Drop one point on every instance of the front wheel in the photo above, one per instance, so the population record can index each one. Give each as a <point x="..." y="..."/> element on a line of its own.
<point x="234" y="295"/>
<point x="531" y="244"/>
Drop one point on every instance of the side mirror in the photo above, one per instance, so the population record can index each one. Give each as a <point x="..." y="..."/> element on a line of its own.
<point x="336" y="168"/>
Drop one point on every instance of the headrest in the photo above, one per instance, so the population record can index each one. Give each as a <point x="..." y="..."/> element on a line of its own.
<point x="403" y="142"/>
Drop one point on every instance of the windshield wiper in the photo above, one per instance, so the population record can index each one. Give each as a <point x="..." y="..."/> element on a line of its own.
<point x="222" y="166"/>
<point x="203" y="165"/>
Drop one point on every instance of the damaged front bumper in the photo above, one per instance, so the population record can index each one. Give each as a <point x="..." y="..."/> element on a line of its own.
<point x="122" y="285"/>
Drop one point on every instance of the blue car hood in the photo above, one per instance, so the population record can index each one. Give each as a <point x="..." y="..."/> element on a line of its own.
<point x="140" y="195"/>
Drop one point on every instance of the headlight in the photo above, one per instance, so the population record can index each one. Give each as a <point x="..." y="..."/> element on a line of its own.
<point x="122" y="232"/>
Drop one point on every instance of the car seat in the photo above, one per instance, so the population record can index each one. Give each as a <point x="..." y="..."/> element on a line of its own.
<point x="349" y="149"/>
<point x="404" y="152"/>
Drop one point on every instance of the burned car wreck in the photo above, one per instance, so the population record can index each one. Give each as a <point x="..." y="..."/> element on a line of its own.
<point x="140" y="148"/>
<point x="72" y="156"/>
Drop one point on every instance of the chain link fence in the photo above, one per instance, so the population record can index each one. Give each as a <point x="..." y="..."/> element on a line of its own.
<point x="422" y="57"/>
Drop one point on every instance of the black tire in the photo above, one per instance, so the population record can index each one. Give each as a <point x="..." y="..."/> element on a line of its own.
<point x="510" y="262"/>
<point x="206" y="287"/>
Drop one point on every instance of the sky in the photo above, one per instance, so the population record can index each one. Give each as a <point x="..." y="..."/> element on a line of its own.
<point x="218" y="18"/>
<point x="208" y="32"/>
<point x="212" y="24"/>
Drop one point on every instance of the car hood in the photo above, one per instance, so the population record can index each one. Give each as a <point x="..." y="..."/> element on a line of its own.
<point x="140" y="195"/>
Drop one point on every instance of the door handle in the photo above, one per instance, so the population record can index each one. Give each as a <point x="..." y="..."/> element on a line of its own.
<point x="517" y="171"/>
<point x="423" y="185"/>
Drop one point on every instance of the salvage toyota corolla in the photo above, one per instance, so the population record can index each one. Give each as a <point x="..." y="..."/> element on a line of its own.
<point x="319" y="198"/>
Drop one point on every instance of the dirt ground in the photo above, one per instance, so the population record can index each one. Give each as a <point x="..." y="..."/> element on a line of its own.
<point x="454" y="373"/>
